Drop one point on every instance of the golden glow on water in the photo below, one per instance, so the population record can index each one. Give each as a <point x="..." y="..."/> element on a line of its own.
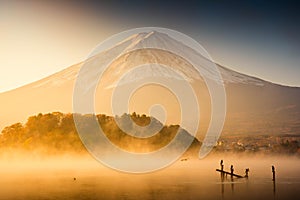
<point x="72" y="177"/>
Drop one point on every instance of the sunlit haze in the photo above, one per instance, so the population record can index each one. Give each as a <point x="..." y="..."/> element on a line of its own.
<point x="149" y="100"/>
<point x="39" y="38"/>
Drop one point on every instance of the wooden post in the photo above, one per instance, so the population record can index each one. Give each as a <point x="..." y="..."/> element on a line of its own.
<point x="274" y="184"/>
<point x="273" y="172"/>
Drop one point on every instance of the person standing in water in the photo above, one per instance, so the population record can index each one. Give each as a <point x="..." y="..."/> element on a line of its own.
<point x="247" y="172"/>
<point x="221" y="164"/>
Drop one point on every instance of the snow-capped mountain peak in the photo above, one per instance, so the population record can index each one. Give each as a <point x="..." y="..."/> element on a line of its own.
<point x="149" y="48"/>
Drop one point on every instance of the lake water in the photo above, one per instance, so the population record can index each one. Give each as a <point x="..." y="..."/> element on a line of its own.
<point x="191" y="179"/>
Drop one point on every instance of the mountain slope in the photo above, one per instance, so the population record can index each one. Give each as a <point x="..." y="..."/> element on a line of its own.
<point x="254" y="106"/>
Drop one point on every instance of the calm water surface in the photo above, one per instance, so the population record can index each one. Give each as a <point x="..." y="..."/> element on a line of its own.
<point x="191" y="179"/>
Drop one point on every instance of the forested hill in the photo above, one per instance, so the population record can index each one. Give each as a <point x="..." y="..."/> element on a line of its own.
<point x="55" y="133"/>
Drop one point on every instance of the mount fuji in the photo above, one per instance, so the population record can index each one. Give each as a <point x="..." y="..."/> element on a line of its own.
<point x="254" y="106"/>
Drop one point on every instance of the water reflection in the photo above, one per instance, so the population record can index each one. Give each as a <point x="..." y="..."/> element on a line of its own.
<point x="231" y="180"/>
<point x="232" y="185"/>
<point x="274" y="188"/>
<point x="222" y="184"/>
<point x="223" y="177"/>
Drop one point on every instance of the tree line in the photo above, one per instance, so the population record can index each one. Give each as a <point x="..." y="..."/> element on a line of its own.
<point x="56" y="133"/>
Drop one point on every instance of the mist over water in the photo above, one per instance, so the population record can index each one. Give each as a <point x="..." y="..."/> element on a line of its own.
<point x="82" y="177"/>
<point x="41" y="172"/>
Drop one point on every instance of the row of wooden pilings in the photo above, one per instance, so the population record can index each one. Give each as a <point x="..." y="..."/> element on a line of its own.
<point x="232" y="174"/>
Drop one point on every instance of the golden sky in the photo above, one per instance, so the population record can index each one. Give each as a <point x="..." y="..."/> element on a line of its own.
<point x="39" y="38"/>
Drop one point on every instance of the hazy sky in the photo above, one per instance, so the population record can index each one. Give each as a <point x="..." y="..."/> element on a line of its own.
<point x="258" y="38"/>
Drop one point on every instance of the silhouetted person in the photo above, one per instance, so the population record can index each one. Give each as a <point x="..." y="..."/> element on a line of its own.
<point x="231" y="170"/>
<point x="273" y="171"/>
<point x="247" y="172"/>
<point x="221" y="164"/>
